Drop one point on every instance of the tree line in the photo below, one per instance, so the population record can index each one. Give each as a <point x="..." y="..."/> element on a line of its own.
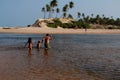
<point x="83" y="21"/>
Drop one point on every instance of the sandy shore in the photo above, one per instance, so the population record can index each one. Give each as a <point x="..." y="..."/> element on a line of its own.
<point x="37" y="30"/>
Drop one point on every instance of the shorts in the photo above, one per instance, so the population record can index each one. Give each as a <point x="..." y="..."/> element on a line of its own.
<point x="47" y="45"/>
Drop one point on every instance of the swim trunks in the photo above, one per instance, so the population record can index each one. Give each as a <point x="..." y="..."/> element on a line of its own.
<point x="47" y="46"/>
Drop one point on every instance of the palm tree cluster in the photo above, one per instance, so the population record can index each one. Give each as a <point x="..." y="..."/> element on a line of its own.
<point x="83" y="21"/>
<point x="52" y="8"/>
<point x="101" y="20"/>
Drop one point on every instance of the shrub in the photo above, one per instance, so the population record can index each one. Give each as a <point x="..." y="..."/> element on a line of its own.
<point x="51" y="25"/>
<point x="67" y="25"/>
<point x="57" y="22"/>
<point x="85" y="25"/>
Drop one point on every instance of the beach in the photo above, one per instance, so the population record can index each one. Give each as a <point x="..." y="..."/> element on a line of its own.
<point x="59" y="30"/>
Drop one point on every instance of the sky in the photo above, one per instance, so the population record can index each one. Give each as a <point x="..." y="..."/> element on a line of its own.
<point x="25" y="12"/>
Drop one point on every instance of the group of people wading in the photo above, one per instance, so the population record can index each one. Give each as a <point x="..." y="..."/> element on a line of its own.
<point x="46" y="39"/>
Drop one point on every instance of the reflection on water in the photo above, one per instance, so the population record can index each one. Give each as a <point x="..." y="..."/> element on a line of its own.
<point x="46" y="52"/>
<point x="71" y="57"/>
<point x="29" y="52"/>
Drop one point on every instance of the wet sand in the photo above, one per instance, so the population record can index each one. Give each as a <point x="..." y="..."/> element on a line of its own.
<point x="19" y="64"/>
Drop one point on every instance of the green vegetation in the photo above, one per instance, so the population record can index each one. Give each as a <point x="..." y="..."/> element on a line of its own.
<point x="52" y="25"/>
<point x="73" y="24"/>
<point x="55" y="24"/>
<point x="83" y="21"/>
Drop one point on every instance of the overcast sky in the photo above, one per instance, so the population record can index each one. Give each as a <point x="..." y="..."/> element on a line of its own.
<point x="25" y="12"/>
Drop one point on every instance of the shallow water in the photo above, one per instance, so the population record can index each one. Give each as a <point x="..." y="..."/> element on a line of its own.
<point x="71" y="57"/>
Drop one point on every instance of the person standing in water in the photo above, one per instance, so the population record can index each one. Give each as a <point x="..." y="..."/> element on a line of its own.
<point x="39" y="43"/>
<point x="29" y="42"/>
<point x="46" y="40"/>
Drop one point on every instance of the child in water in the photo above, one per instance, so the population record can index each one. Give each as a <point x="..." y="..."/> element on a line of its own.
<point x="39" y="44"/>
<point x="29" y="42"/>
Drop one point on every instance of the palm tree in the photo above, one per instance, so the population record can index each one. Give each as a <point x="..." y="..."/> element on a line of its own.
<point x="83" y="15"/>
<point x="70" y="16"/>
<point x="53" y="4"/>
<point x="66" y="7"/>
<point x="98" y="19"/>
<point x="52" y="12"/>
<point x="103" y="16"/>
<point x="48" y="9"/>
<point x="79" y="14"/>
<point x="43" y="10"/>
<point x="92" y="15"/>
<point x="65" y="10"/>
<point x="71" y="4"/>
<point x="64" y="14"/>
<point x="117" y="22"/>
<point x="87" y="19"/>
<point x="57" y="11"/>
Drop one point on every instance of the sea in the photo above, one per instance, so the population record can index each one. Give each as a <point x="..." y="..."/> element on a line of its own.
<point x="94" y="53"/>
